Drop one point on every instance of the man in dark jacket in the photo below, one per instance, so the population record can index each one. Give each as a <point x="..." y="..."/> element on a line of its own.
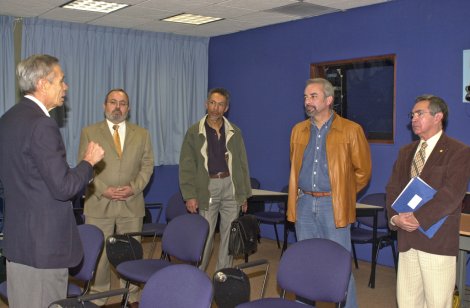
<point x="41" y="238"/>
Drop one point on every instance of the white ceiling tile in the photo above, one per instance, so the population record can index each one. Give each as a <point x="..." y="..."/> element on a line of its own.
<point x="18" y="9"/>
<point x="119" y="21"/>
<point x="262" y="17"/>
<point x="258" y="5"/>
<point x="177" y="6"/>
<point x="162" y="26"/>
<point x="142" y="12"/>
<point x="345" y="4"/>
<point x="225" y="26"/>
<point x="221" y="11"/>
<point x="71" y="15"/>
<point x="130" y="2"/>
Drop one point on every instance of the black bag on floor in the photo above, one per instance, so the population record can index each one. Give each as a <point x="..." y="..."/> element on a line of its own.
<point x="244" y="233"/>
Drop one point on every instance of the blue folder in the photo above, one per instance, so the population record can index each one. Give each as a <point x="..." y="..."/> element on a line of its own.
<point x="416" y="193"/>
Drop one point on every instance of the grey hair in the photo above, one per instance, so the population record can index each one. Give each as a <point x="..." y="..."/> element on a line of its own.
<point x="32" y="69"/>
<point x="328" y="89"/>
<point x="436" y="104"/>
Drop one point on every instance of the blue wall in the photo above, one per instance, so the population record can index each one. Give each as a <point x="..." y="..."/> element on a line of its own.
<point x="163" y="184"/>
<point x="265" y="69"/>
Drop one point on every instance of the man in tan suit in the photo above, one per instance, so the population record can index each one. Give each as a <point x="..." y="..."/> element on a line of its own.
<point x="114" y="201"/>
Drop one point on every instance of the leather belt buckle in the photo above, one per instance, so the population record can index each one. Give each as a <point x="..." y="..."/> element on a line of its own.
<point x="317" y="194"/>
<point x="219" y="175"/>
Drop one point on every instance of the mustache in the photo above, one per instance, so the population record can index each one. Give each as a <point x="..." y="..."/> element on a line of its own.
<point x="310" y="110"/>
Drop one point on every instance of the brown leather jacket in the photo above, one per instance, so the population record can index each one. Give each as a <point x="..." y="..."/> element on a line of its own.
<point x="349" y="166"/>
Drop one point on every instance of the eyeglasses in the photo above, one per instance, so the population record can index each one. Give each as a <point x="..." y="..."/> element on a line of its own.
<point x="418" y="113"/>
<point x="118" y="104"/>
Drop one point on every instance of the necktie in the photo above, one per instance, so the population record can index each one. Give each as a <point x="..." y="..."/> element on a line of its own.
<point x="419" y="160"/>
<point x="117" y="140"/>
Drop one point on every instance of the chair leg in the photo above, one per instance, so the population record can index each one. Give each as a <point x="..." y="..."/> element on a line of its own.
<point x="154" y="245"/>
<point x="125" y="296"/>
<point x="277" y="235"/>
<point x="354" y="255"/>
<point x="395" y="256"/>
<point x="379" y="246"/>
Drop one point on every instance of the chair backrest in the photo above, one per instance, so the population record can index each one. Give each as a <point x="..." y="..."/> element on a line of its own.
<point x="282" y="206"/>
<point x="466" y="204"/>
<point x="123" y="247"/>
<point x="185" y="237"/>
<point x="177" y="286"/>
<point x="2" y="206"/>
<point x="231" y="287"/>
<point x="175" y="207"/>
<point x="255" y="206"/>
<point x="156" y="207"/>
<point x="92" y="241"/>
<point x="316" y="269"/>
<point x="255" y="184"/>
<point x="378" y="199"/>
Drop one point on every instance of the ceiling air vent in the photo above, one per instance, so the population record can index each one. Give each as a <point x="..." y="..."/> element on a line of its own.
<point x="302" y="9"/>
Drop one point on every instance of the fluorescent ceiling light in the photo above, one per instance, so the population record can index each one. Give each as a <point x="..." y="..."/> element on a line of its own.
<point x="94" y="6"/>
<point x="192" y="19"/>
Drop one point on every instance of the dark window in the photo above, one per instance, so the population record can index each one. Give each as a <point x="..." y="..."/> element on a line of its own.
<point x="364" y="93"/>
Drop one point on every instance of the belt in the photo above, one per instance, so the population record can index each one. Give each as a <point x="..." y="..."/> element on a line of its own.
<point x="317" y="194"/>
<point x="219" y="175"/>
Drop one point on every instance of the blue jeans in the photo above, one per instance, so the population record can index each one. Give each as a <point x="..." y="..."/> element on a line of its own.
<point x="315" y="220"/>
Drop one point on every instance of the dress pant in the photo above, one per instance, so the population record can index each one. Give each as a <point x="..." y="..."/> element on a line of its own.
<point x="35" y="287"/>
<point x="110" y="226"/>
<point x="425" y="280"/>
<point x="221" y="202"/>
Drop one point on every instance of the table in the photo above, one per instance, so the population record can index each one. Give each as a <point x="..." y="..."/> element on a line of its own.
<point x="464" y="247"/>
<point x="268" y="196"/>
<point x="362" y="210"/>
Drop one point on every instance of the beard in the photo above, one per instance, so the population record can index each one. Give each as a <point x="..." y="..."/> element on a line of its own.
<point x="310" y="111"/>
<point x="116" y="116"/>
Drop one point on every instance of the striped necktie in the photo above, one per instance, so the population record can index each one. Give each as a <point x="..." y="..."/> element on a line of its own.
<point x="419" y="160"/>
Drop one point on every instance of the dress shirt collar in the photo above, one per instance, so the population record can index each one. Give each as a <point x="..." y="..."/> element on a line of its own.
<point x="121" y="130"/>
<point x="122" y="125"/>
<point x="431" y="143"/>
<point x="38" y="102"/>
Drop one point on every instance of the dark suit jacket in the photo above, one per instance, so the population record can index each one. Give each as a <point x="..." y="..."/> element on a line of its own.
<point x="40" y="229"/>
<point x="447" y="170"/>
<point x="135" y="167"/>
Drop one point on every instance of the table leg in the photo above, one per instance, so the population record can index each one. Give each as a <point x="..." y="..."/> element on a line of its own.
<point x="284" y="244"/>
<point x="374" y="252"/>
<point x="461" y="272"/>
<point x="464" y="245"/>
